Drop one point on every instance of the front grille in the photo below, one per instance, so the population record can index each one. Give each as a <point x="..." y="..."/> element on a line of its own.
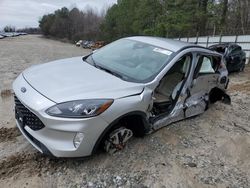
<point x="26" y="117"/>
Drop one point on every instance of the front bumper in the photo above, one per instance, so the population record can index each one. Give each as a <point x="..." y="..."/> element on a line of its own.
<point x="57" y="136"/>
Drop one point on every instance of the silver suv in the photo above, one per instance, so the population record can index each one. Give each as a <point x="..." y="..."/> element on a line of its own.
<point x="131" y="87"/>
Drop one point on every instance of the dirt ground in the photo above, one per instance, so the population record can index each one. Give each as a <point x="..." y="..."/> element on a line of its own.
<point x="210" y="150"/>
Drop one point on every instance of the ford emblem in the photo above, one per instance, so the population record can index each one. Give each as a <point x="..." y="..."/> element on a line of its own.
<point x="23" y="89"/>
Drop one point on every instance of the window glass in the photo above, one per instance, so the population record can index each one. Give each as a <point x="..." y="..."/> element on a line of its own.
<point x="236" y="49"/>
<point x="134" y="60"/>
<point x="207" y="65"/>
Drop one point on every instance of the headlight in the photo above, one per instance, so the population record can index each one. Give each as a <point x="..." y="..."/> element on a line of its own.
<point x="80" y="108"/>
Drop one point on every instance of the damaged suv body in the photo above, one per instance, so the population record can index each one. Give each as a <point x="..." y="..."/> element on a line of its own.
<point x="235" y="57"/>
<point x="131" y="87"/>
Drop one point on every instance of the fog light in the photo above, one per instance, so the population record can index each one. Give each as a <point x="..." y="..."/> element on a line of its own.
<point x="78" y="139"/>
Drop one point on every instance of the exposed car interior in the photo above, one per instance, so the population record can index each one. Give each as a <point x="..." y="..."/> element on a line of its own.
<point x="167" y="92"/>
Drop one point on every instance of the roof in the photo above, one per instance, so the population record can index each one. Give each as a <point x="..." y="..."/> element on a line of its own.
<point x="223" y="44"/>
<point x="169" y="44"/>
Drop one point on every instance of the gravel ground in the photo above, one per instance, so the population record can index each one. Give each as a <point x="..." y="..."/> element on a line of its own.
<point x="210" y="150"/>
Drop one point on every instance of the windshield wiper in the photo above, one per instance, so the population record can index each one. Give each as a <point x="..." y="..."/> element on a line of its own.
<point x="109" y="71"/>
<point x="93" y="61"/>
<point x="103" y="68"/>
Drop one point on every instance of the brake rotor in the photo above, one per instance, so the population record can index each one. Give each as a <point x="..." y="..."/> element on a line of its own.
<point x="117" y="140"/>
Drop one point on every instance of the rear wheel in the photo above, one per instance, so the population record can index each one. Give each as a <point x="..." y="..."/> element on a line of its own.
<point x="117" y="139"/>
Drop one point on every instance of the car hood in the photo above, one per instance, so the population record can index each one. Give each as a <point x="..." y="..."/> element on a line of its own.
<point x="74" y="79"/>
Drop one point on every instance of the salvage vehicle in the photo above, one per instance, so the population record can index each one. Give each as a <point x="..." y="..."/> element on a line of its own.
<point x="234" y="56"/>
<point x="85" y="44"/>
<point x="7" y="34"/>
<point x="91" y="44"/>
<point x="97" y="45"/>
<point x="88" y="44"/>
<point x="79" y="43"/>
<point x="131" y="87"/>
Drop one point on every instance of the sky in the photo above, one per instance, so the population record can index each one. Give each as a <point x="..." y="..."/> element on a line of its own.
<point x="26" y="13"/>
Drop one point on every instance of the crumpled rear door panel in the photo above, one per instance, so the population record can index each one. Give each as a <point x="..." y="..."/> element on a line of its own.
<point x="196" y="103"/>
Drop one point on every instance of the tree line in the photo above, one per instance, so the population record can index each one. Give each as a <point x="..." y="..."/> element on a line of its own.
<point x="9" y="28"/>
<point x="29" y="30"/>
<point x="165" y="18"/>
<point x="72" y="24"/>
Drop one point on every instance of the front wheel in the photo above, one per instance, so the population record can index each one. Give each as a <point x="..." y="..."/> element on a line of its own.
<point x="117" y="139"/>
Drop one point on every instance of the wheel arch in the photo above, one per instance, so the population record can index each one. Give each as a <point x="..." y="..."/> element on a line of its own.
<point x="136" y="116"/>
<point x="217" y="94"/>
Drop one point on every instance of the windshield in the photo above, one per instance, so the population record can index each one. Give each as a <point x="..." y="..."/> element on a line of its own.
<point x="131" y="60"/>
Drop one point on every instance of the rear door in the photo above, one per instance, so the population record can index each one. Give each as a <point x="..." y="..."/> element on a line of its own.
<point x="205" y="78"/>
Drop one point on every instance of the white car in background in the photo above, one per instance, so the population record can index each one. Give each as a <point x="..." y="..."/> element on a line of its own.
<point x="79" y="43"/>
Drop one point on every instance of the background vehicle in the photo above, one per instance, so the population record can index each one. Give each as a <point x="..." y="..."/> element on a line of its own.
<point x="86" y="44"/>
<point x="97" y="45"/>
<point x="133" y="86"/>
<point x="79" y="43"/>
<point x="233" y="54"/>
<point x="91" y="44"/>
<point x="7" y="34"/>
